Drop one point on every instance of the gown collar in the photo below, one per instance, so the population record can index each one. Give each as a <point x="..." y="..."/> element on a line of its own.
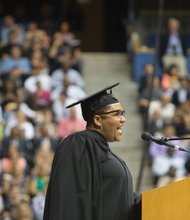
<point x="98" y="136"/>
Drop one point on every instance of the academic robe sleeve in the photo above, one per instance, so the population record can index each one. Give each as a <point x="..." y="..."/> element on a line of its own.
<point x="74" y="190"/>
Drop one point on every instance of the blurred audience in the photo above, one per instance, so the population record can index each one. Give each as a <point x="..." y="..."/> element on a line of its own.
<point x="40" y="74"/>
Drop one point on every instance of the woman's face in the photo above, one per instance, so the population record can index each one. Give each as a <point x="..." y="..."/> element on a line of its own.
<point x="112" y="122"/>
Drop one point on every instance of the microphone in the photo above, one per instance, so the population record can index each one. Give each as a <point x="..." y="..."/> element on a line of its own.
<point x="146" y="136"/>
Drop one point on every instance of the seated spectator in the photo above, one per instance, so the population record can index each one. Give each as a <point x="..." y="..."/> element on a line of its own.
<point x="39" y="179"/>
<point x="8" y="23"/>
<point x="56" y="43"/>
<point x="173" y="47"/>
<point x="31" y="30"/>
<point x="9" y="89"/>
<point x="15" y="59"/>
<point x="40" y="73"/>
<point x="182" y="119"/>
<point x="169" y="177"/>
<point x="181" y="94"/>
<point x="24" y="211"/>
<point x="167" y="109"/>
<point x="14" y="158"/>
<point x="40" y="42"/>
<point x="44" y="155"/>
<point x="59" y="106"/>
<point x="26" y="148"/>
<point x="70" y="40"/>
<point x="161" y="165"/>
<point x="46" y="131"/>
<point x="23" y="123"/>
<point x="16" y="76"/>
<point x="156" y="150"/>
<point x="65" y="59"/>
<point x="148" y="94"/>
<point x="156" y="123"/>
<point x="38" y="204"/>
<point x="178" y="122"/>
<point x="147" y="77"/>
<point x="12" y="202"/>
<point x="17" y="178"/>
<point x="42" y="98"/>
<point x="26" y="103"/>
<point x="68" y="36"/>
<point x="16" y="36"/>
<point x="68" y="125"/>
<point x="170" y="79"/>
<point x="187" y="167"/>
<point x="48" y="123"/>
<point x="72" y="90"/>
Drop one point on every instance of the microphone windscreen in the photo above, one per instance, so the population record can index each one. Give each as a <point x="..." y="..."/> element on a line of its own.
<point x="146" y="136"/>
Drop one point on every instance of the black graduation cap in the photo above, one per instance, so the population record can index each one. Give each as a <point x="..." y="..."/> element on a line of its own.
<point x="96" y="101"/>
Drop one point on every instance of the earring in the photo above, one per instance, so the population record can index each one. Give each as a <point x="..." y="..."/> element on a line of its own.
<point x="99" y="127"/>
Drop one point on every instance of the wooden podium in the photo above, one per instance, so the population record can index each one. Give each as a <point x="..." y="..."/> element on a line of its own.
<point x="170" y="202"/>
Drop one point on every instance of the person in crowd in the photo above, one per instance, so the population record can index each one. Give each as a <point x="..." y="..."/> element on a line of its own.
<point x="187" y="167"/>
<point x="26" y="148"/>
<point x="170" y="79"/>
<point x="8" y="23"/>
<point x="151" y="93"/>
<point x="156" y="123"/>
<point x="178" y="122"/>
<point x="65" y="59"/>
<point x="42" y="97"/>
<point x="31" y="31"/>
<point x="59" y="106"/>
<point x="14" y="157"/>
<point x="147" y="77"/>
<point x="173" y="46"/>
<point x="38" y="203"/>
<point x="40" y="73"/>
<point x="64" y="39"/>
<point x="87" y="179"/>
<point x="48" y="122"/>
<point x="24" y="211"/>
<point x="8" y="91"/>
<point x="43" y="139"/>
<point x="17" y="59"/>
<point x="182" y="94"/>
<point x="69" y="125"/>
<point x="39" y="179"/>
<point x="156" y="150"/>
<point x="181" y="119"/>
<point x="14" y="199"/>
<point x="26" y="103"/>
<point x="167" y="109"/>
<point x="163" y="163"/>
<point x="56" y="43"/>
<point x="23" y="123"/>
<point x="73" y="91"/>
<point x="169" y="177"/>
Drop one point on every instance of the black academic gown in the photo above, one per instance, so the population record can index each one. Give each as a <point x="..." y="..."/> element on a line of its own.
<point x="88" y="182"/>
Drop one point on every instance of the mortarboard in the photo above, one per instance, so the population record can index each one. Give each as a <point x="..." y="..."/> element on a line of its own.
<point x="92" y="103"/>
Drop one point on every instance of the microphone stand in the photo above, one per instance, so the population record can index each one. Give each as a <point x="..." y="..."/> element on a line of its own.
<point x="174" y="138"/>
<point x="164" y="141"/>
<point x="168" y="144"/>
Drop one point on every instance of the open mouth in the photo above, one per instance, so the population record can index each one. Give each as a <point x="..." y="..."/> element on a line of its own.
<point x="119" y="129"/>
